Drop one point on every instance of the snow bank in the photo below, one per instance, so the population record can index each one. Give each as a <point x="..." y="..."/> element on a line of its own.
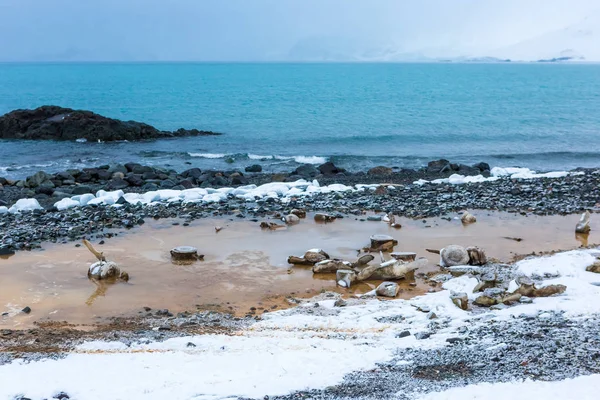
<point x="580" y="388"/>
<point x="25" y="205"/>
<point x="285" y="352"/>
<point x="497" y="173"/>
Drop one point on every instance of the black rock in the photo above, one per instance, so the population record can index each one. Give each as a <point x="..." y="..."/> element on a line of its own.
<point x="117" y="184"/>
<point x="46" y="188"/>
<point x="186" y="184"/>
<point x="149" y="175"/>
<point x="149" y="187"/>
<point x="403" y="334"/>
<point x="131" y="166"/>
<point x="135" y="180"/>
<point x="84" y="177"/>
<point x="466" y="170"/>
<point x="167" y="184"/>
<point x="306" y="171"/>
<point x="121" y="200"/>
<point x="437" y="166"/>
<point x="103" y="174"/>
<point x="61" y="396"/>
<point x="239" y="180"/>
<point x="192" y="173"/>
<point x="482" y="166"/>
<point x="82" y="189"/>
<point x="330" y="169"/>
<point x="253" y="168"/>
<point x="6" y="251"/>
<point x="58" y="123"/>
<point x="26" y="310"/>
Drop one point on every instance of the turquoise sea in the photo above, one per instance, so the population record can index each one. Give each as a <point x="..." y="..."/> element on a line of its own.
<point x="542" y="116"/>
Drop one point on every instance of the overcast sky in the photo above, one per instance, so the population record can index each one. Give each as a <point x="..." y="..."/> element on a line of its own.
<point x="244" y="30"/>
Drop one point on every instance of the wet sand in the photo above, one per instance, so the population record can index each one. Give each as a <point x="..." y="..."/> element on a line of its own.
<point x="244" y="266"/>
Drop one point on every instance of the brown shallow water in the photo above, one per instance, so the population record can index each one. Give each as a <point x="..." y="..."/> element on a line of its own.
<point x="244" y="266"/>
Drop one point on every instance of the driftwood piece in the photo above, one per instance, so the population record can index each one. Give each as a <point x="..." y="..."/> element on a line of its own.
<point x="330" y="266"/>
<point x="583" y="226"/>
<point x="99" y="255"/>
<point x="392" y="269"/>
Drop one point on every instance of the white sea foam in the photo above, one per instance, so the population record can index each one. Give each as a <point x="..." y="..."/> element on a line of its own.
<point x="297" y="159"/>
<point x="208" y="155"/>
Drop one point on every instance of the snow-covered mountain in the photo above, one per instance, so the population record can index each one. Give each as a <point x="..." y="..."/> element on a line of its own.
<point x="580" y="42"/>
<point x="577" y="42"/>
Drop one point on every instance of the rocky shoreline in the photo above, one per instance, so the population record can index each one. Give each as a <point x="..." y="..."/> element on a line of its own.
<point x="59" y="123"/>
<point x="29" y="229"/>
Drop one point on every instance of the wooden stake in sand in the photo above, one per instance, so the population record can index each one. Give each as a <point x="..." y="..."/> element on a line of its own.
<point x="103" y="269"/>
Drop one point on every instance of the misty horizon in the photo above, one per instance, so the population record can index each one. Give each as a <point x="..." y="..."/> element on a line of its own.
<point x="296" y="31"/>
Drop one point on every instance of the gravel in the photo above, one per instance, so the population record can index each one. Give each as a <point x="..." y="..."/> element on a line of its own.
<point x="544" y="347"/>
<point x="543" y="196"/>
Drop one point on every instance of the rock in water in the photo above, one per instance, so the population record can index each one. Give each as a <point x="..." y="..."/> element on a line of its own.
<point x="291" y="219"/>
<point x="57" y="123"/>
<point x="364" y="260"/>
<point x="184" y="253"/>
<point x="104" y="270"/>
<point x="404" y="256"/>
<point x="315" y="255"/>
<point x="330" y="266"/>
<point x="387" y="289"/>
<point x="468" y="218"/>
<point x="320" y="217"/>
<point x="345" y="277"/>
<point x="311" y="257"/>
<point x="382" y="241"/>
<point x="298" y="213"/>
<point x="391" y="270"/>
<point x="583" y="226"/>
<point x="454" y="255"/>
<point x="476" y="256"/>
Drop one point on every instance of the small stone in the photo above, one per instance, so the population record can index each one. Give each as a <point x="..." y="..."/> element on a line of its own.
<point x="422" y="335"/>
<point x="455" y="340"/>
<point x="340" y="303"/>
<point x="403" y="334"/>
<point x="526" y="300"/>
<point x="26" y="310"/>
<point x="431" y="315"/>
<point x="461" y="300"/>
<point x="190" y="344"/>
<point x="164" y="328"/>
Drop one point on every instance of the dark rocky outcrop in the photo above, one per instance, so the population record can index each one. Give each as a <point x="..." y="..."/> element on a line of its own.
<point x="58" y="123"/>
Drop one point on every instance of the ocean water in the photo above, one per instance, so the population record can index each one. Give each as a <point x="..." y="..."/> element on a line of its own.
<point x="541" y="116"/>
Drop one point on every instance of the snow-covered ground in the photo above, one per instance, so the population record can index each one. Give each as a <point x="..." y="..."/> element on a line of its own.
<point x="308" y="347"/>
<point x="580" y="388"/>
